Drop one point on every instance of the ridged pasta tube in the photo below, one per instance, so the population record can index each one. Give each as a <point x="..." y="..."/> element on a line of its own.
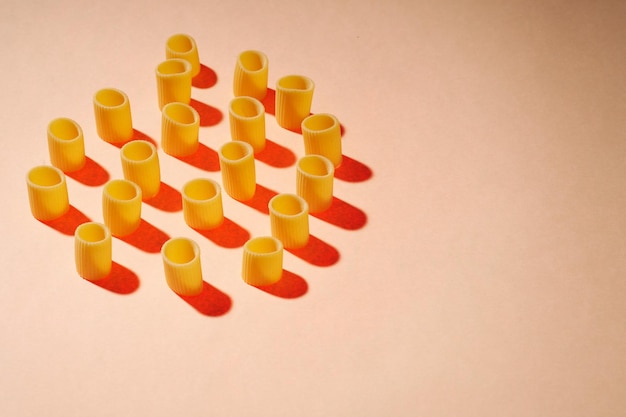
<point x="294" y="95"/>
<point x="66" y="144"/>
<point x="262" y="261"/>
<point x="251" y="72"/>
<point x="93" y="250"/>
<point x="47" y="192"/>
<point x="113" y="116"/>
<point x="238" y="170"/>
<point x="289" y="220"/>
<point x="181" y="262"/>
<point x="183" y="46"/>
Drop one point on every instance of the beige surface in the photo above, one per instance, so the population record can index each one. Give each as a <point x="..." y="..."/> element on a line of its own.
<point x="488" y="279"/>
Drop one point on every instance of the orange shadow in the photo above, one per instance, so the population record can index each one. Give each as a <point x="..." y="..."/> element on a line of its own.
<point x="68" y="222"/>
<point x="290" y="285"/>
<point x="121" y="280"/>
<point x="343" y="215"/>
<point x="269" y="102"/>
<point x="204" y="158"/>
<point x="261" y="198"/>
<point x="228" y="235"/>
<point x="206" y="78"/>
<point x="209" y="115"/>
<point x="167" y="199"/>
<point x="276" y="155"/>
<point x="147" y="238"/>
<point x="351" y="170"/>
<point x="210" y="302"/>
<point x="137" y="135"/>
<point x="317" y="252"/>
<point x="92" y="174"/>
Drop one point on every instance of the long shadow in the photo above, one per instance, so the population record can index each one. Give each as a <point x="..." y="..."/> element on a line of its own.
<point x="137" y="135"/>
<point x="209" y="115"/>
<point x="289" y="286"/>
<point x="147" y="238"/>
<point x="269" y="101"/>
<point x="206" y="78"/>
<point x="167" y="199"/>
<point x="210" y="302"/>
<point x="261" y="199"/>
<point x="121" y="280"/>
<point x="204" y="158"/>
<point x="276" y="155"/>
<point x="228" y="235"/>
<point x="68" y="223"/>
<point x="352" y="170"/>
<point x="317" y="252"/>
<point x="92" y="174"/>
<point x="343" y="215"/>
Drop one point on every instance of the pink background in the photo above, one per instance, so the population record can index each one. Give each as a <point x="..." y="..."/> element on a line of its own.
<point x="474" y="263"/>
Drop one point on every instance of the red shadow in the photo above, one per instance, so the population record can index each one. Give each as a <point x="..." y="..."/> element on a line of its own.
<point x="261" y="199"/>
<point x="92" y="174"/>
<point x="228" y="235"/>
<point x="68" y="222"/>
<point x="290" y="285"/>
<point x="269" y="102"/>
<point x="317" y="252"/>
<point x="276" y="155"/>
<point x="206" y="78"/>
<point x="147" y="238"/>
<point x="209" y="115"/>
<point x="167" y="199"/>
<point x="137" y="135"/>
<point x="204" y="158"/>
<point x="121" y="280"/>
<point x="343" y="215"/>
<point x="351" y="170"/>
<point x="210" y="302"/>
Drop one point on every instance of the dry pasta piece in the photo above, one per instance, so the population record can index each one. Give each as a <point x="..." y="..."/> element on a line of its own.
<point x="93" y="250"/>
<point x="47" y="192"/>
<point x="181" y="262"/>
<point x="262" y="261"/>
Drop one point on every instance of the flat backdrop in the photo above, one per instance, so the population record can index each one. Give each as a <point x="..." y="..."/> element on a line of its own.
<point x="473" y="262"/>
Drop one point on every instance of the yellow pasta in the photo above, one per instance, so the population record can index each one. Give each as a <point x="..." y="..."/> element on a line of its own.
<point x="173" y="78"/>
<point x="184" y="46"/>
<point x="247" y="121"/>
<point x="66" y="144"/>
<point x="92" y="250"/>
<point x="289" y="220"/>
<point x="202" y="204"/>
<point x="322" y="136"/>
<point x="113" y="117"/>
<point x="262" y="261"/>
<point x="140" y="163"/>
<point x="121" y="206"/>
<point x="180" y="127"/>
<point x="238" y="170"/>
<point x="314" y="182"/>
<point x="251" y="72"/>
<point x="47" y="192"/>
<point x="294" y="95"/>
<point x="181" y="262"/>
